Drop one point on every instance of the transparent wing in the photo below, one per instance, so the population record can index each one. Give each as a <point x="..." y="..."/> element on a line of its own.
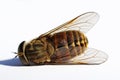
<point x="83" y="23"/>
<point x="90" y="56"/>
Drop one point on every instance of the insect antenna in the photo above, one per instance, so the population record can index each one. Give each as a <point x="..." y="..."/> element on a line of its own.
<point x="17" y="54"/>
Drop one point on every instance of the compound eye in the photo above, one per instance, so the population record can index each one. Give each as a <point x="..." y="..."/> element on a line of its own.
<point x="20" y="48"/>
<point x="22" y="57"/>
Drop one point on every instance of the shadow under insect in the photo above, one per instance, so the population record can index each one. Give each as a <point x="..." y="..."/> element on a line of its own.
<point x="11" y="62"/>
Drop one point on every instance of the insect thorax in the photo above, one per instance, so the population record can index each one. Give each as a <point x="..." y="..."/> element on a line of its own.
<point x="38" y="50"/>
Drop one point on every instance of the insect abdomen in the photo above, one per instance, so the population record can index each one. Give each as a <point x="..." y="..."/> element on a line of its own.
<point x="67" y="45"/>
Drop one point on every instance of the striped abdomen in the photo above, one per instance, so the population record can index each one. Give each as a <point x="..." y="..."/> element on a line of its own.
<point x="67" y="45"/>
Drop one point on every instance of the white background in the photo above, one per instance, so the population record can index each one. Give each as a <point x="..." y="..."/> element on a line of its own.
<point x="26" y="19"/>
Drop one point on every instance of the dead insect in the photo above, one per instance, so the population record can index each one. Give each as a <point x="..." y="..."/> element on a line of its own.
<point x="65" y="44"/>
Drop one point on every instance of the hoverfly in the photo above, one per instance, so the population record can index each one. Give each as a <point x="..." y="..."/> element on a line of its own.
<point x="65" y="44"/>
